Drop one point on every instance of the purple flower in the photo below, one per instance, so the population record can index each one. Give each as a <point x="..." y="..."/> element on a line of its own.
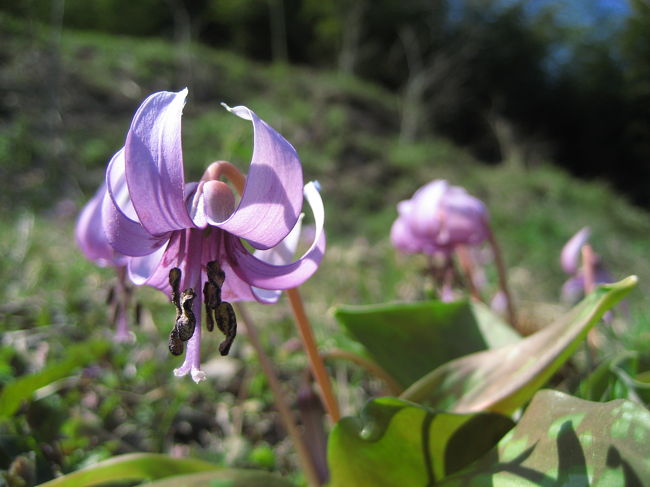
<point x="186" y="239"/>
<point x="571" y="261"/>
<point x="92" y="241"/>
<point x="438" y="218"/>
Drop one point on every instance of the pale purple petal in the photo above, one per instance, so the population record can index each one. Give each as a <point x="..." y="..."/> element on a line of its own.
<point x="272" y="197"/>
<point x="571" y="251"/>
<point x="463" y="218"/>
<point x="423" y="216"/>
<point x="143" y="270"/>
<point x="123" y="232"/>
<point x="90" y="235"/>
<point x="267" y="276"/>
<point x="281" y="254"/>
<point x="573" y="289"/>
<point x="403" y="239"/>
<point x="154" y="163"/>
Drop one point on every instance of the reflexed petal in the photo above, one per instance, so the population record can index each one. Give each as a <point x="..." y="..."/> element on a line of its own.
<point x="90" y="235"/>
<point x="281" y="254"/>
<point x="124" y="233"/>
<point x="142" y="270"/>
<point x="570" y="256"/>
<point x="272" y="198"/>
<point x="403" y="239"/>
<point x="423" y="216"/>
<point x="267" y="276"/>
<point x="154" y="163"/>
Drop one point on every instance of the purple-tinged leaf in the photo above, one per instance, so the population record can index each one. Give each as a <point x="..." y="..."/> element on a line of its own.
<point x="504" y="379"/>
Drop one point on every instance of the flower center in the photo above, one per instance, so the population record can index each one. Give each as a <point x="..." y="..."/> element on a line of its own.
<point x="216" y="310"/>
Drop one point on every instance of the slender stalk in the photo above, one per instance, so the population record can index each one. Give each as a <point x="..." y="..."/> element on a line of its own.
<point x="393" y="386"/>
<point x="465" y="262"/>
<point x="278" y="395"/>
<point x="503" y="280"/>
<point x="588" y="261"/>
<point x="588" y="267"/>
<point x="315" y="360"/>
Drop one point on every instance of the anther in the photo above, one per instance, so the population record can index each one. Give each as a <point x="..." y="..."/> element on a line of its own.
<point x="186" y="321"/>
<point x="175" y="343"/>
<point x="175" y="282"/>
<point x="216" y="275"/>
<point x="212" y="291"/>
<point x="227" y="323"/>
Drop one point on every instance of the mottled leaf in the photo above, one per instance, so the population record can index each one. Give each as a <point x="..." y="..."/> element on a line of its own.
<point x="132" y="467"/>
<point x="395" y="443"/>
<point x="503" y="379"/>
<point x="565" y="441"/>
<point x="22" y="388"/>
<point x="408" y="340"/>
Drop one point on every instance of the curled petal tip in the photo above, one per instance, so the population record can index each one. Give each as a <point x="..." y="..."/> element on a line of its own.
<point x="315" y="184"/>
<point x="197" y="374"/>
<point x="571" y="251"/>
<point x="240" y="111"/>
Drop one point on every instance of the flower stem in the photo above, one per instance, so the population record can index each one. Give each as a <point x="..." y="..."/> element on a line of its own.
<point x="466" y="265"/>
<point x="588" y="260"/>
<point x="315" y="360"/>
<point x="503" y="280"/>
<point x="278" y="395"/>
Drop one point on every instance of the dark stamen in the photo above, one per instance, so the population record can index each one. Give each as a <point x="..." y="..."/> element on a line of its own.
<point x="212" y="291"/>
<point x="186" y="321"/>
<point x="217" y="310"/>
<point x="216" y="275"/>
<point x="227" y="323"/>
<point x="175" y="343"/>
<point x="175" y="282"/>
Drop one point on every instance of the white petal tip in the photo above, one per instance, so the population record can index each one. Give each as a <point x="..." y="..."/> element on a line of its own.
<point x="315" y="184"/>
<point x="240" y="111"/>
<point x="198" y="375"/>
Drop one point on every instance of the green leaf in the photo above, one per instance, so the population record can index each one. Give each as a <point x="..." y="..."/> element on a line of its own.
<point x="503" y="379"/>
<point x="562" y="440"/>
<point x="224" y="478"/>
<point x="408" y="340"/>
<point x="22" y="388"/>
<point x="132" y="467"/>
<point x="395" y="442"/>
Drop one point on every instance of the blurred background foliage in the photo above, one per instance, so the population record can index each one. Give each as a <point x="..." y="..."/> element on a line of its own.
<point x="565" y="81"/>
<point x="510" y="99"/>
